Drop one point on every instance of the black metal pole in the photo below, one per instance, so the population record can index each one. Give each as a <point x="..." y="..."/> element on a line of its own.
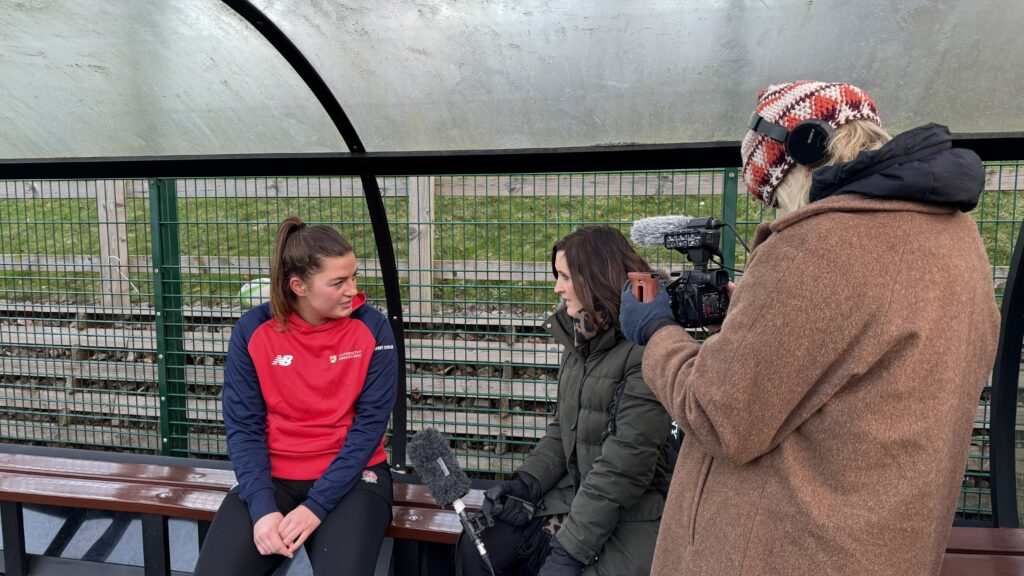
<point x="302" y="67"/>
<point x="633" y="157"/>
<point x="13" y="519"/>
<point x="371" y="192"/>
<point x="1005" y="374"/>
<point x="393" y="295"/>
<point x="156" y="551"/>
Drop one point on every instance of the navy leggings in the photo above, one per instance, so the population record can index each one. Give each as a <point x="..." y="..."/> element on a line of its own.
<point x="346" y="542"/>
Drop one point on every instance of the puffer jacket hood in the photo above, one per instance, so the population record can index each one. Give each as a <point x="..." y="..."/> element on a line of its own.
<point x="919" y="165"/>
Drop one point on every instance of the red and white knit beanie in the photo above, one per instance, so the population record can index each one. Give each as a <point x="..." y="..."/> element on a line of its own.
<point x="765" y="162"/>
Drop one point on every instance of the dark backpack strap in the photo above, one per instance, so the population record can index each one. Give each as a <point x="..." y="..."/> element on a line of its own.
<point x="613" y="410"/>
<point x="673" y="442"/>
<point x="613" y="407"/>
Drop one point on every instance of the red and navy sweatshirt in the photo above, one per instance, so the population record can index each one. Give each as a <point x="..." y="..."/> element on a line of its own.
<point x="308" y="403"/>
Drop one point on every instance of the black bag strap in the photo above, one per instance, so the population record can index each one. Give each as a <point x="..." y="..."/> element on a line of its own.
<point x="613" y="410"/>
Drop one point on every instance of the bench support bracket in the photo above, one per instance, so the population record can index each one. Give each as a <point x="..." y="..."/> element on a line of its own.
<point x="156" y="551"/>
<point x="13" y="518"/>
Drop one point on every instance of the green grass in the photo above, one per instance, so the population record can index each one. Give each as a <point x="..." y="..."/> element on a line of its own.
<point x="63" y="287"/>
<point x="510" y="228"/>
<point x="45" y="226"/>
<point x="248" y="226"/>
<point x="999" y="214"/>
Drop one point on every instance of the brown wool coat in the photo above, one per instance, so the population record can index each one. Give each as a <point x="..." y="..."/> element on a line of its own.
<point x="827" y="424"/>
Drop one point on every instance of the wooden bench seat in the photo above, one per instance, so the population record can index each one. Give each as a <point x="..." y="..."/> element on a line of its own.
<point x="982" y="565"/>
<point x="157" y="503"/>
<point x="970" y="540"/>
<point x="410" y="522"/>
<point x="984" y="552"/>
<point x="189" y="477"/>
<point x="159" y="492"/>
<point x="171" y="501"/>
<point x="406" y="494"/>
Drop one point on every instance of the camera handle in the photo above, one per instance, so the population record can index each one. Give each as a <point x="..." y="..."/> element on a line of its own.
<point x="698" y="256"/>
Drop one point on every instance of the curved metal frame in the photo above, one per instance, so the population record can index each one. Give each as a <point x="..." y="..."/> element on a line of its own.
<point x="371" y="193"/>
<point x="677" y="156"/>
<point x="1005" y="376"/>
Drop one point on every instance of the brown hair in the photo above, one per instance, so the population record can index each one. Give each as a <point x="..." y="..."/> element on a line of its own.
<point x="599" y="258"/>
<point x="298" y="252"/>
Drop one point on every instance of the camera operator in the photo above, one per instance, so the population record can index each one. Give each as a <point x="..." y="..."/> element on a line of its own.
<point x="827" y="423"/>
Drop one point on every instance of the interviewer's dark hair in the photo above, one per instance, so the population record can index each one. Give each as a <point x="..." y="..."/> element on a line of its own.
<point x="298" y="252"/>
<point x="599" y="258"/>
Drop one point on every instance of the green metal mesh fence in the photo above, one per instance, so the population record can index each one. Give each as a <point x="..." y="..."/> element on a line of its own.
<point x="999" y="215"/>
<point x="117" y="297"/>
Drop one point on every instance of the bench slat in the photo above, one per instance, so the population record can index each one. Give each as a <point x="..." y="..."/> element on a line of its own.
<point x="981" y="564"/>
<point x="107" y="495"/>
<point x="429" y="525"/>
<point x="181" y="476"/>
<point x="970" y="540"/>
<point x="417" y="495"/>
<point x="410" y="495"/>
<point x="425" y="524"/>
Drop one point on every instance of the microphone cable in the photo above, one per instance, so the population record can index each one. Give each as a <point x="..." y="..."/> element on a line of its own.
<point x="473" y="536"/>
<point x="736" y="235"/>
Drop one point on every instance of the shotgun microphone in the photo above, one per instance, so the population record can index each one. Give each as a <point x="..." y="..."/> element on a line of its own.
<point x="651" y="231"/>
<point x="446" y="482"/>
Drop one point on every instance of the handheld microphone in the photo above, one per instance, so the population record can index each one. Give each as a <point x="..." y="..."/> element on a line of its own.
<point x="651" y="231"/>
<point x="446" y="482"/>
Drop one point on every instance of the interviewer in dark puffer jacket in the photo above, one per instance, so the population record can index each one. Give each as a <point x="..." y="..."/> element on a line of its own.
<point x="601" y="468"/>
<point x="827" y="423"/>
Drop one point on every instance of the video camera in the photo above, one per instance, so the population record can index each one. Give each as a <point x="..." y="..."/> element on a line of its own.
<point x="698" y="297"/>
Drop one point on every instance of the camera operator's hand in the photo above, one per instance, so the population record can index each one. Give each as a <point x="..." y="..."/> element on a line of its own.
<point x="560" y="562"/>
<point x="508" y="507"/>
<point x="640" y="321"/>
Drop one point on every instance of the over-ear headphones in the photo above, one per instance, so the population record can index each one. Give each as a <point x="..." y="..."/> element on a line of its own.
<point x="806" y="144"/>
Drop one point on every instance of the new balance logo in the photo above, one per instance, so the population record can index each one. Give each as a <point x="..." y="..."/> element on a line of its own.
<point x="282" y="360"/>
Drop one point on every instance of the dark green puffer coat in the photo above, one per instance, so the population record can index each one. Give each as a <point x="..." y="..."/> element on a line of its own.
<point x="610" y="476"/>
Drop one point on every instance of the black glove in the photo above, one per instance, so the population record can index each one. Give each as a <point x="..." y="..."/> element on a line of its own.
<point x="508" y="506"/>
<point x="639" y="321"/>
<point x="560" y="562"/>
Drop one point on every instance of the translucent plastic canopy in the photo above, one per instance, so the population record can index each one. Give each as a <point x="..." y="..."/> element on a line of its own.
<point x="136" y="78"/>
<point x="126" y="78"/>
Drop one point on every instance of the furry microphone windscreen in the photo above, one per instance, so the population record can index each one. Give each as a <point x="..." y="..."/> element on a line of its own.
<point x="651" y="231"/>
<point x="437" y="467"/>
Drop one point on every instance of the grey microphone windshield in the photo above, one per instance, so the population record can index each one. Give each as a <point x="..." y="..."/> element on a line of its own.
<point x="436" y="464"/>
<point x="651" y="231"/>
<point x="446" y="482"/>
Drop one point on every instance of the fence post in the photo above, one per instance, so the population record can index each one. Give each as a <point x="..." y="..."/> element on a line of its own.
<point x="110" y="212"/>
<point x="421" y="193"/>
<point x="730" y="179"/>
<point x="170" y="344"/>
